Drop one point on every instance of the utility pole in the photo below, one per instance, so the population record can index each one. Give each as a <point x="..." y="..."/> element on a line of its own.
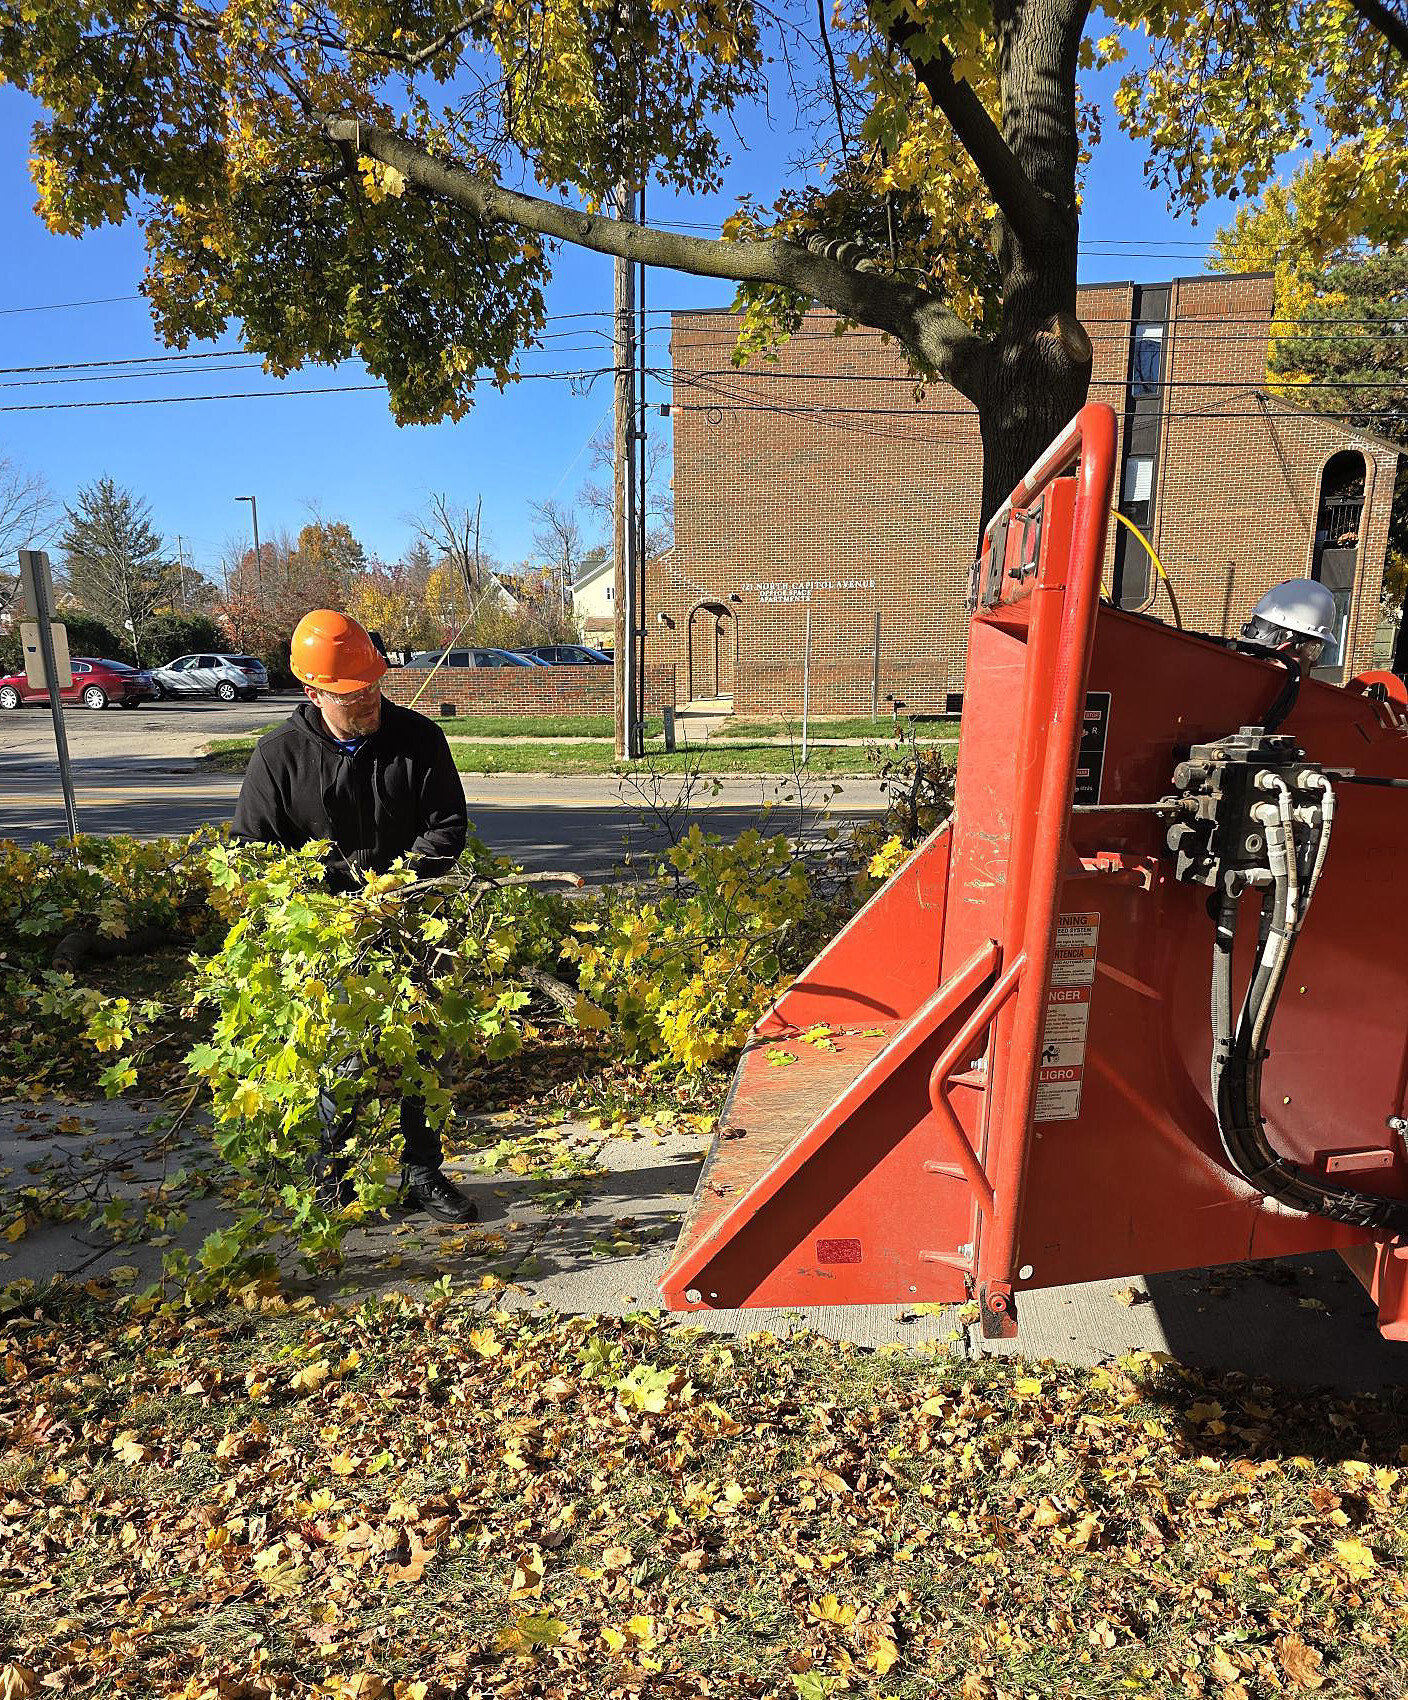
<point x="181" y="565"/>
<point x="626" y="534"/>
<point x="638" y="421"/>
<point x="258" y="558"/>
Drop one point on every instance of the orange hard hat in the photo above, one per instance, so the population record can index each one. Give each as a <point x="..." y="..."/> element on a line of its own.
<point x="332" y="652"/>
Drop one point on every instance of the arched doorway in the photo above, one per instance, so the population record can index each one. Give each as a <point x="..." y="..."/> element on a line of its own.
<point x="1335" y="558"/>
<point x="712" y="640"/>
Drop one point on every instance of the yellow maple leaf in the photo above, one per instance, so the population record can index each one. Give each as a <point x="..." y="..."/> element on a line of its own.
<point x="586" y="1014"/>
<point x="828" y="1609"/>
<point x="1356" y="1559"/>
<point x="311" y="1377"/>
<point x="883" y="1656"/>
<point x="130" y="1449"/>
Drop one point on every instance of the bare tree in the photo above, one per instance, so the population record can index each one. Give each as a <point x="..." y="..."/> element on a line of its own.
<point x="558" y="538"/>
<point x="29" y="516"/>
<point x="454" y="534"/>
<point x="597" y="494"/>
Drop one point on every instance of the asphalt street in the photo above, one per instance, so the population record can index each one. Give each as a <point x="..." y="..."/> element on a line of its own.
<point x="137" y="771"/>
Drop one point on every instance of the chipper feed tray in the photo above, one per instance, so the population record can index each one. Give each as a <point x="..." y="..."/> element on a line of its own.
<point x="1140" y="1005"/>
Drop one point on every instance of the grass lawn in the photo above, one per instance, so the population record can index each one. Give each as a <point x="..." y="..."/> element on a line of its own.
<point x="416" y="1501"/>
<point x="538" y="726"/>
<point x="600" y="758"/>
<point x="541" y="755"/>
<point x="927" y="731"/>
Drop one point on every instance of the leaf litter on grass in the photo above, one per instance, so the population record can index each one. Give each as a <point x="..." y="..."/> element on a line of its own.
<point x="444" y="1498"/>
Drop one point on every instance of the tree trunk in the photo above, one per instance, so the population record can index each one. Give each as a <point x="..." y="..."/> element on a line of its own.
<point x="1032" y="394"/>
<point x="1038" y="371"/>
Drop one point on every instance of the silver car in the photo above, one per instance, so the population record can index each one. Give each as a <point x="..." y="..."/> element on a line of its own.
<point x="223" y="676"/>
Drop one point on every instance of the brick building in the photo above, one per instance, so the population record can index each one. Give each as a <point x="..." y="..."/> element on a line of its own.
<point x="821" y="482"/>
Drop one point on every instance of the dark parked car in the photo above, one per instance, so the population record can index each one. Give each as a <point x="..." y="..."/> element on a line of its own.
<point x="569" y="655"/>
<point x="475" y="658"/>
<point x="96" y="683"/>
<point x="223" y="676"/>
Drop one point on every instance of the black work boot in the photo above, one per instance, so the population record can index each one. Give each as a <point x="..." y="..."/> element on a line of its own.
<point x="432" y="1190"/>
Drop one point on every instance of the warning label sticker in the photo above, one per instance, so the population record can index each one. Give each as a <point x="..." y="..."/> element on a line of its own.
<point x="1061" y="1064"/>
<point x="1076" y="940"/>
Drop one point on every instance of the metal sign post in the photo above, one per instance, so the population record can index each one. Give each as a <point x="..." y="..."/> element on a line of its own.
<point x="36" y="588"/>
<point x="806" y="685"/>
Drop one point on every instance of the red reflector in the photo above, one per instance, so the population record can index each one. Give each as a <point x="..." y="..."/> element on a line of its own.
<point x="838" y="1251"/>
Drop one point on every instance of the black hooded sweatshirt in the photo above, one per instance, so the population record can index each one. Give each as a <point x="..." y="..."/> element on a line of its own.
<point x="397" y="794"/>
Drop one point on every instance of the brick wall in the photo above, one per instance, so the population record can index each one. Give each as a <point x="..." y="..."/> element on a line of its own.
<point x="568" y="691"/>
<point x="854" y="511"/>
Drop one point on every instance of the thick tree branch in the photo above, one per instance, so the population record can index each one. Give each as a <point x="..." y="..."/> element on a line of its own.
<point x="1022" y="204"/>
<point x="927" y="328"/>
<point x="1390" y="26"/>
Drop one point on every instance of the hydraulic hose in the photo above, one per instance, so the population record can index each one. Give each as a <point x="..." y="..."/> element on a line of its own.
<point x="1290" y="691"/>
<point x="1238" y="1055"/>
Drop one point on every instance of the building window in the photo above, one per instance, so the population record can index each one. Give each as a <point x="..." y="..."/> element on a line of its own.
<point x="1146" y="360"/>
<point x="1335" y="563"/>
<point x="1138" y="489"/>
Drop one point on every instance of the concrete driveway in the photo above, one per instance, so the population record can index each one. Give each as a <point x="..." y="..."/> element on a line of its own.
<point x="598" y="1244"/>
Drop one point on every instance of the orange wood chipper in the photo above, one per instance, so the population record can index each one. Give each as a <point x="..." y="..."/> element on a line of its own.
<point x="1139" y="1005"/>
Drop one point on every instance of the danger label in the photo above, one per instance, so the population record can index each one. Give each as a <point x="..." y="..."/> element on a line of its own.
<point x="1061" y="1062"/>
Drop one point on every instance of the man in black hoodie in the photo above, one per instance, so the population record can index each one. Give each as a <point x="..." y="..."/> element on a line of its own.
<point x="379" y="782"/>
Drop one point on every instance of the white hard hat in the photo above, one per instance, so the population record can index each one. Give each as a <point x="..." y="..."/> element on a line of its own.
<point x="1299" y="605"/>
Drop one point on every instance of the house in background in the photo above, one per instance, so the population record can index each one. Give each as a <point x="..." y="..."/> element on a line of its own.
<point x="593" y="604"/>
<point x="818" y="482"/>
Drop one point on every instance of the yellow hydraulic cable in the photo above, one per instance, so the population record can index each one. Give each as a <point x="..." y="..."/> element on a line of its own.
<point x="1125" y="520"/>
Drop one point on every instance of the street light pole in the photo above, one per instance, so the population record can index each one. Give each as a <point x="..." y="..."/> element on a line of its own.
<point x="258" y="558"/>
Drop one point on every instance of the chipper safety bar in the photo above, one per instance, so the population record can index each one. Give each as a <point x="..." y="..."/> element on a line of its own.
<point x="1140" y="1004"/>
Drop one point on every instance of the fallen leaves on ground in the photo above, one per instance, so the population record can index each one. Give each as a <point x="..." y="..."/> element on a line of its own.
<point x="427" y="1500"/>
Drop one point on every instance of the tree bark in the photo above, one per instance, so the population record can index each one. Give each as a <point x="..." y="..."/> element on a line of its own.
<point x="1038" y="370"/>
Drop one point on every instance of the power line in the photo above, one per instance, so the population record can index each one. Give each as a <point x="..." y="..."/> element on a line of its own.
<point x="669" y="312"/>
<point x="126" y="377"/>
<point x="816" y="376"/>
<point x="62" y="306"/>
<point x="732" y="402"/>
<point x="248" y="395"/>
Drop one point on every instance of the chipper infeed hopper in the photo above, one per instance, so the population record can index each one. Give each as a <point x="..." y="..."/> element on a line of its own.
<point x="1140" y="1005"/>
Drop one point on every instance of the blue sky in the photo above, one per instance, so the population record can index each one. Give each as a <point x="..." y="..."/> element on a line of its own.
<point x="342" y="455"/>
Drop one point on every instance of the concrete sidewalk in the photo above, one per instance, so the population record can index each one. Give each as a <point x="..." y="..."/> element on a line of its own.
<point x="596" y="1244"/>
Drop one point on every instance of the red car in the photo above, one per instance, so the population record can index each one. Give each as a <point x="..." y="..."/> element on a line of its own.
<point x="95" y="684"/>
